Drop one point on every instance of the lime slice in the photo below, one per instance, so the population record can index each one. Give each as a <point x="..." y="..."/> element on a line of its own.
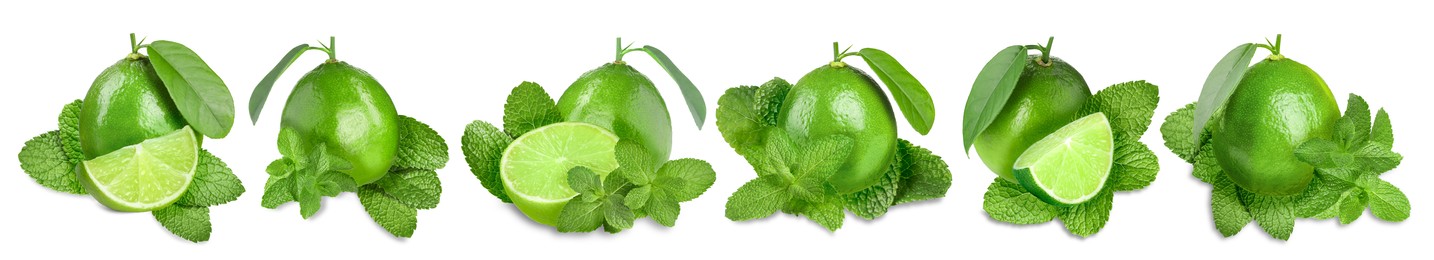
<point x="535" y="166"/>
<point x="1070" y="165"/>
<point x="145" y="176"/>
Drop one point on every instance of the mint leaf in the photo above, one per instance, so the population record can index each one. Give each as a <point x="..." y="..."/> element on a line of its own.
<point x="277" y="191"/>
<point x="826" y="212"/>
<point x="190" y="223"/>
<point x="924" y="175"/>
<point x="419" y="146"/>
<point x="1008" y="202"/>
<point x="1134" y="167"/>
<point x="1087" y="218"/>
<point x="1274" y="214"/>
<point x="1388" y="202"/>
<point x="1229" y="213"/>
<point x="1352" y="206"/>
<point x="70" y="132"/>
<point x="307" y="172"/>
<point x="415" y="188"/>
<point x="1352" y="129"/>
<point x="662" y="210"/>
<point x="1129" y="106"/>
<point x="874" y="201"/>
<point x="483" y="146"/>
<point x="529" y="107"/>
<point x="1321" y="198"/>
<point x="1376" y="158"/>
<point x="744" y="113"/>
<point x="391" y="214"/>
<point x="1206" y="166"/>
<point x="758" y="198"/>
<point x="1176" y="133"/>
<point x="739" y="118"/>
<point x="214" y="183"/>
<point x="634" y="163"/>
<point x="45" y="160"/>
<point x="595" y="205"/>
<point x="770" y="97"/>
<point x="684" y="179"/>
<point x="1383" y="131"/>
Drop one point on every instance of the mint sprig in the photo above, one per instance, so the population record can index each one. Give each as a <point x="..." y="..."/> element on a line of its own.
<point x="309" y="171"/>
<point x="50" y="159"/>
<point x="638" y="188"/>
<point x="1129" y="106"/>
<point x="793" y="178"/>
<point x="1346" y="182"/>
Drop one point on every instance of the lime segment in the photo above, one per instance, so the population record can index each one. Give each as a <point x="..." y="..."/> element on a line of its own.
<point x="145" y="176"/>
<point x="534" y="168"/>
<point x="1070" y="165"/>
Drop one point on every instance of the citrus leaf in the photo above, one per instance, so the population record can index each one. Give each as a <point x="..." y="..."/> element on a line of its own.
<point x="199" y="93"/>
<point x="695" y="103"/>
<point x="990" y="92"/>
<point x="913" y="99"/>
<point x="261" y="92"/>
<point x="1220" y="84"/>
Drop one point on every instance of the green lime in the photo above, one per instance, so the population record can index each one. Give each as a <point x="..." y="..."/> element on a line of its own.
<point x="1071" y="165"/>
<point x="534" y="168"/>
<point x="126" y="105"/>
<point x="143" y="177"/>
<point x="1278" y="105"/>
<point x="836" y="99"/>
<point x="617" y="97"/>
<point x="1045" y="98"/>
<point x="345" y="108"/>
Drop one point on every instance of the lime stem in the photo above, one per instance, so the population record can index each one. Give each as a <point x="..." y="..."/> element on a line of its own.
<point x="838" y="54"/>
<point x="623" y="50"/>
<point x="1273" y="47"/>
<point x="134" y="47"/>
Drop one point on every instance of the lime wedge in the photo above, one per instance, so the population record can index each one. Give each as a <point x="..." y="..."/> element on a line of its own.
<point x="1070" y="165"/>
<point x="534" y="168"/>
<point x="145" y="176"/>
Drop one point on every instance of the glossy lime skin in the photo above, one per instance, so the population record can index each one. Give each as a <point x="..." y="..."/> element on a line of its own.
<point x="344" y="107"/>
<point x="617" y="97"/>
<point x="1278" y="105"/>
<point x="1045" y="99"/>
<point x="841" y="100"/>
<point x="125" y="105"/>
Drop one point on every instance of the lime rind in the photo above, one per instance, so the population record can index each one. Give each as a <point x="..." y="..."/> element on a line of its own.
<point x="146" y="176"/>
<point x="534" y="167"/>
<point x="1071" y="165"/>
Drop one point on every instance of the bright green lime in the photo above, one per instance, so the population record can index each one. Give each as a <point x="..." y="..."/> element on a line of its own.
<point x="1071" y="165"/>
<point x="1278" y="105"/>
<point x="617" y="97"/>
<point x="837" y="99"/>
<point x="345" y="108"/>
<point x="143" y="177"/>
<point x="125" y="105"/>
<point x="1045" y="98"/>
<point x="534" y="168"/>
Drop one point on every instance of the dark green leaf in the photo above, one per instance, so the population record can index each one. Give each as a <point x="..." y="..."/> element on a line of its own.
<point x="197" y="91"/>
<point x="924" y="175"/>
<point x="1220" y="85"/>
<point x="45" y="161"/>
<point x="214" y="183"/>
<point x="1352" y="129"/>
<point x="1176" y="133"/>
<point x="759" y="198"/>
<point x="261" y="92"/>
<point x="398" y="219"/>
<point x="70" y="132"/>
<point x="483" y="146"/>
<point x="416" y="188"/>
<point x="419" y="146"/>
<point x="1225" y="207"/>
<point x="529" y="107"/>
<point x="989" y="94"/>
<point x="1008" y="202"/>
<point x="913" y="99"/>
<point x="695" y="103"/>
<point x="190" y="223"/>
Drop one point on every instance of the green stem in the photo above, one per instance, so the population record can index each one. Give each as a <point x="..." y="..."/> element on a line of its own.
<point x="623" y="50"/>
<point x="1274" y="48"/>
<point x="838" y="54"/>
<point x="134" y="47"/>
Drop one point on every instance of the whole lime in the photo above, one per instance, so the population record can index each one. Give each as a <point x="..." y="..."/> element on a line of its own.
<point x="1045" y="99"/>
<point x="1278" y="105"/>
<point x="126" y="105"/>
<point x="617" y="97"/>
<point x="345" y="108"/>
<point x="837" y="99"/>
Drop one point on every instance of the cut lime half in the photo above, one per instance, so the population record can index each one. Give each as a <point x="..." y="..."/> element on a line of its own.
<point x="534" y="168"/>
<point x="1071" y="165"/>
<point x="145" y="176"/>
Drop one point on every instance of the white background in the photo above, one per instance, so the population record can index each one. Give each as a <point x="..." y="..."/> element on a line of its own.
<point x="447" y="64"/>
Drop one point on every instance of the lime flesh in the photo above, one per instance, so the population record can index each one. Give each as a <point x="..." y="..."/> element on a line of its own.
<point x="1069" y="166"/>
<point x="145" y="176"/>
<point x="534" y="168"/>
